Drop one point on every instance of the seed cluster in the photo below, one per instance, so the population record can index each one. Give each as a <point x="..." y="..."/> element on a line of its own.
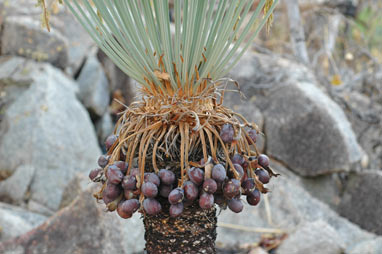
<point x="130" y="190"/>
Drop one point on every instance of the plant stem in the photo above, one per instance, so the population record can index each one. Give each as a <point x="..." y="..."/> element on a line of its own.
<point x="194" y="231"/>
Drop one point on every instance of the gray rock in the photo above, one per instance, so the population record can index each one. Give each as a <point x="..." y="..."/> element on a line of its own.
<point x="305" y="129"/>
<point x="23" y="36"/>
<point x="316" y="137"/>
<point x="75" y="187"/>
<point x="289" y="206"/>
<point x="119" y="82"/>
<point x="366" y="119"/>
<point x="362" y="200"/>
<point x="37" y="207"/>
<point x="368" y="247"/>
<point x="22" y="179"/>
<point x="313" y="237"/>
<point x="83" y="227"/>
<point x="94" y="88"/>
<point x="15" y="221"/>
<point x="326" y="188"/>
<point x="104" y="127"/>
<point x="47" y="126"/>
<point x="79" y="42"/>
<point x="25" y="7"/>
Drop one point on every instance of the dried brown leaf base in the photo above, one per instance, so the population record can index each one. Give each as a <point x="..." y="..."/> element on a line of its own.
<point x="162" y="132"/>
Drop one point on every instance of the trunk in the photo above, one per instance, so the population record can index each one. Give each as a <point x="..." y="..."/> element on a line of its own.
<point x="194" y="231"/>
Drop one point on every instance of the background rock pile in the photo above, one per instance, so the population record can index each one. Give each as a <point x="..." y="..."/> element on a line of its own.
<point x="57" y="107"/>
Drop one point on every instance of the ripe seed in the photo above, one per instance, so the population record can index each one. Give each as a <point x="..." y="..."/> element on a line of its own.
<point x="152" y="177"/>
<point x="227" y="133"/>
<point x="231" y="188"/>
<point x="103" y="160"/>
<point x="237" y="159"/>
<point x="151" y="206"/>
<point x="252" y="136"/>
<point x="129" y="194"/>
<point x="176" y="210"/>
<point x="166" y="176"/>
<point x="196" y="175"/>
<point x="114" y="174"/>
<point x="95" y="173"/>
<point x="122" y="166"/>
<point x="129" y="182"/>
<point x="149" y="189"/>
<point x="190" y="190"/>
<point x="129" y="206"/>
<point x="112" y="191"/>
<point x="218" y="173"/>
<point x="121" y="212"/>
<point x="263" y="176"/>
<point x="210" y="186"/>
<point x="263" y="160"/>
<point x="206" y="201"/>
<point x="248" y="185"/>
<point x="110" y="141"/>
<point x="239" y="169"/>
<point x="253" y="198"/>
<point x="176" y="196"/>
<point x="235" y="205"/>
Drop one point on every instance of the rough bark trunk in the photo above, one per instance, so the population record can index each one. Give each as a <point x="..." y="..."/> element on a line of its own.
<point x="194" y="231"/>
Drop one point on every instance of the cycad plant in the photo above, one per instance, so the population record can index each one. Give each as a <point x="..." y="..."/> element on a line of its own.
<point x="178" y="151"/>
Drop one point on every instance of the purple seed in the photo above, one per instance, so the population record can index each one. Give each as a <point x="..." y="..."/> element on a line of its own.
<point x="129" y="182"/>
<point x="210" y="186"/>
<point x="237" y="159"/>
<point x="176" y="210"/>
<point x="95" y="173"/>
<point x="252" y="136"/>
<point x="122" y="166"/>
<point x="149" y="189"/>
<point x="129" y="206"/>
<point x="114" y="174"/>
<point x="110" y="141"/>
<point x="231" y="188"/>
<point x="235" y="205"/>
<point x="112" y="191"/>
<point x="253" y="198"/>
<point x="248" y="185"/>
<point x="129" y="194"/>
<point x="166" y="176"/>
<point x="151" y="206"/>
<point x="176" y="196"/>
<point x="206" y="201"/>
<point x="153" y="178"/>
<point x="121" y="212"/>
<point x="103" y="160"/>
<point x="196" y="175"/>
<point x="263" y="176"/>
<point x="239" y="169"/>
<point x="263" y="160"/>
<point x="219" y="173"/>
<point x="227" y="133"/>
<point x="190" y="190"/>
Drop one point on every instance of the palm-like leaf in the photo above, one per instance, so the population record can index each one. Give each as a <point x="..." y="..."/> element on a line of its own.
<point x="210" y="36"/>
